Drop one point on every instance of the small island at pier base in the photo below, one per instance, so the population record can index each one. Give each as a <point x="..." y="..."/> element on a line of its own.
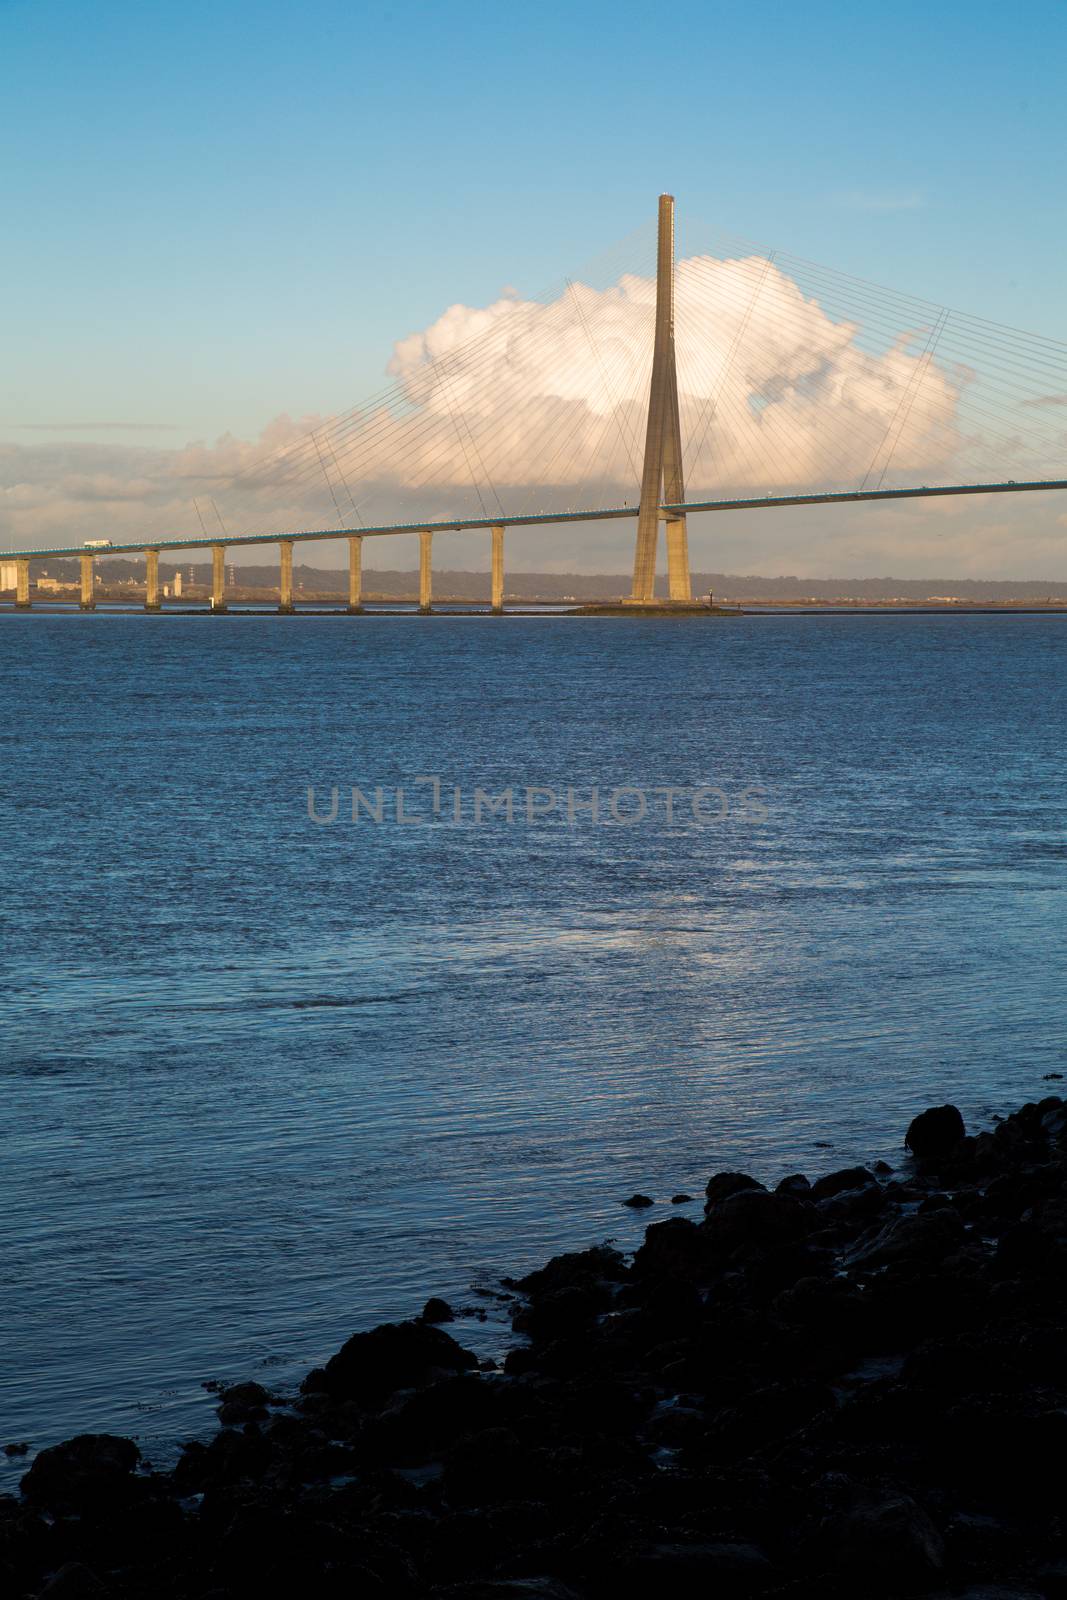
<point x="655" y="608"/>
<point x="835" y="1389"/>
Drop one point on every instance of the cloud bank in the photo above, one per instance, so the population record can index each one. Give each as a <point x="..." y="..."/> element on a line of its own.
<point x="521" y="405"/>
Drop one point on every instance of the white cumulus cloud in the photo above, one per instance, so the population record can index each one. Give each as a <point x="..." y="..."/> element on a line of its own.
<point x="521" y="404"/>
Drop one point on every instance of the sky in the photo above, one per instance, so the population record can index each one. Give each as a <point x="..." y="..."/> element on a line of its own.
<point x="217" y="216"/>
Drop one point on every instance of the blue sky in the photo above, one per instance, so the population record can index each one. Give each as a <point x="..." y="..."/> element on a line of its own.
<point x="214" y="213"/>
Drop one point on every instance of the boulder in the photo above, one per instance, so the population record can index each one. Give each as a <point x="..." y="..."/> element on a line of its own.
<point x="92" y="1469"/>
<point x="724" y="1184"/>
<point x="574" y="1269"/>
<point x="837" y="1182"/>
<point x="886" y="1542"/>
<point x="419" y="1423"/>
<point x="724" y="1570"/>
<point x="486" y="1468"/>
<point x="397" y="1355"/>
<point x="562" y="1313"/>
<point x="242" y="1402"/>
<point x="437" y="1310"/>
<point x="74" y="1581"/>
<point x="753" y="1219"/>
<point x="506" y="1589"/>
<point x="935" y="1133"/>
<point x="919" y="1239"/>
<point x="677" y="1248"/>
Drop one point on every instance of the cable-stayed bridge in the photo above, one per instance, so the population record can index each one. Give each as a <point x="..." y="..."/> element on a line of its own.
<point x="652" y="389"/>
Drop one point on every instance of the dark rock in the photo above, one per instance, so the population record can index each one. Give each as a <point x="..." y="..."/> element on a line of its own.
<point x="782" y="1266"/>
<point x="724" y="1184"/>
<point x="830" y="1311"/>
<point x="574" y="1269"/>
<point x="241" y="1403"/>
<point x="1023" y="1247"/>
<point x="19" y="1449"/>
<point x="697" y="1571"/>
<point x="486" y="1468"/>
<point x="915" y="1238"/>
<point x="230" y="1458"/>
<point x="753" y="1219"/>
<point x="597" y="1406"/>
<point x="86" y="1471"/>
<point x="996" y="1591"/>
<point x="881" y="1168"/>
<point x="1054" y="1123"/>
<point x="551" y="1316"/>
<point x="638" y="1201"/>
<point x="681" y="1199"/>
<point x="397" y="1355"/>
<point x="437" y="1310"/>
<point x="836" y="1182"/>
<point x="850" y="1207"/>
<point x="934" y="1134"/>
<point x="1053" y="1580"/>
<point x="677" y="1248"/>
<point x="771" y="1414"/>
<point x="796" y="1184"/>
<point x="886" y="1542"/>
<point x="506" y="1589"/>
<point x="73" y="1582"/>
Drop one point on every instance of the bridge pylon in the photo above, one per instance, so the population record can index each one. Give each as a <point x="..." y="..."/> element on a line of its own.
<point x="662" y="477"/>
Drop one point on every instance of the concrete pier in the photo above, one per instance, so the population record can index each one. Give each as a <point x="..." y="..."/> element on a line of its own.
<point x="87" y="603"/>
<point x="679" y="584"/>
<point x="425" y="572"/>
<point x="22" y="585"/>
<point x="498" y="570"/>
<point x="218" y="577"/>
<point x="151" y="581"/>
<point x="285" y="586"/>
<point x="355" y="573"/>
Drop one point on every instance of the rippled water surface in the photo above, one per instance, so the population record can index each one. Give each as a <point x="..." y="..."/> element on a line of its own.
<point x="267" y="1081"/>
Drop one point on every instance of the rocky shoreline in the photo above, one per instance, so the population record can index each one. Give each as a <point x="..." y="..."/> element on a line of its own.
<point x="844" y="1388"/>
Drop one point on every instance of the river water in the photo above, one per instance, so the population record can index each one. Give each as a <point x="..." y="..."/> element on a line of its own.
<point x="268" y="1080"/>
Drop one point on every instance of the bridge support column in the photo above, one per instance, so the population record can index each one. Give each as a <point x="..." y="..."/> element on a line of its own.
<point x="679" y="583"/>
<point x="425" y="572"/>
<point x="151" y="580"/>
<point x="22" y="585"/>
<point x="285" y="584"/>
<point x="498" y="570"/>
<point x="355" y="573"/>
<point x="218" y="577"/>
<point x="661" y="476"/>
<point x="87" y="603"/>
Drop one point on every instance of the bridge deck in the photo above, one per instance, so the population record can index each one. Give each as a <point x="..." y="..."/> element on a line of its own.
<point x="463" y="524"/>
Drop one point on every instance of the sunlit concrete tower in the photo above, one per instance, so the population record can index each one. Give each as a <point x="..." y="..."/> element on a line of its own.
<point x="662" y="479"/>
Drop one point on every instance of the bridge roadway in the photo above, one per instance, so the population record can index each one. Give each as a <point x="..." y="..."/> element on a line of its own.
<point x="150" y="548"/>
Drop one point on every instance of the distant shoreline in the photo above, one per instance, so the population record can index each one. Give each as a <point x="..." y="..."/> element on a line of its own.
<point x="123" y="580"/>
<point x="588" y="610"/>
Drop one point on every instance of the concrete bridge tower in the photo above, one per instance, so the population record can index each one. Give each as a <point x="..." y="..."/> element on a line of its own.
<point x="662" y="477"/>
